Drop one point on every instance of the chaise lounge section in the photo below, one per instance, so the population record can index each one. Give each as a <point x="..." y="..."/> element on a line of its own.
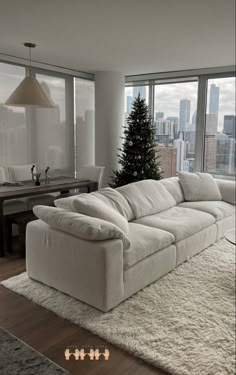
<point x="103" y="247"/>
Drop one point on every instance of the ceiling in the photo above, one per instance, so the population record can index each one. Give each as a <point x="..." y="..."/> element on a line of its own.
<point x="132" y="36"/>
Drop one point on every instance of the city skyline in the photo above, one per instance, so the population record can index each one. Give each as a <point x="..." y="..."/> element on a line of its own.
<point x="167" y="97"/>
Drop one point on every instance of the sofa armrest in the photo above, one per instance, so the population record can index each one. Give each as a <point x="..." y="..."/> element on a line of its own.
<point x="91" y="271"/>
<point x="227" y="189"/>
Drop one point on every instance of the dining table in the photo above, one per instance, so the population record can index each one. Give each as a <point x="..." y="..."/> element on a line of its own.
<point x="29" y="189"/>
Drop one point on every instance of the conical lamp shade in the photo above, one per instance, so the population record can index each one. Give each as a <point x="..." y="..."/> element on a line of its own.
<point x="29" y="93"/>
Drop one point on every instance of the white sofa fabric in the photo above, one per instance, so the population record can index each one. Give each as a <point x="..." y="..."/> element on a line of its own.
<point x="218" y="209"/>
<point x="181" y="222"/>
<point x="158" y="241"/>
<point x="147" y="197"/>
<point x="88" y="228"/>
<point x="199" y="187"/>
<point x="90" y="205"/>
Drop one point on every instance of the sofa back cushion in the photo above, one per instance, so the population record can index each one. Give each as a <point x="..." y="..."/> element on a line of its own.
<point x="111" y="197"/>
<point x="147" y="197"/>
<point x="91" y="205"/>
<point x="88" y="228"/>
<point x="173" y="186"/>
<point x="199" y="187"/>
<point x="65" y="203"/>
<point x="115" y="200"/>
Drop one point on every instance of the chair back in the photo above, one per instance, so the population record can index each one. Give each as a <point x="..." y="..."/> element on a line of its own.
<point x="20" y="172"/>
<point x="93" y="173"/>
<point x="2" y="175"/>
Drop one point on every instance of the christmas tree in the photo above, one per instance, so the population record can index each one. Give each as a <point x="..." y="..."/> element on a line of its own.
<point x="138" y="156"/>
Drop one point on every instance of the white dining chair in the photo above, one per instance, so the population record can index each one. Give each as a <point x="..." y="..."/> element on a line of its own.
<point x="93" y="173"/>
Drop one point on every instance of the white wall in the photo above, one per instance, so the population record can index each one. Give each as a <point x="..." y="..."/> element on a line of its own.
<point x="109" y="119"/>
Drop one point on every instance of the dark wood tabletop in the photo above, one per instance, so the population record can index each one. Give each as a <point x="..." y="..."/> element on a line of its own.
<point x="28" y="189"/>
<point x="56" y="184"/>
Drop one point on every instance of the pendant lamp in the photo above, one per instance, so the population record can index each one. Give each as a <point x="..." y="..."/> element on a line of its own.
<point x="29" y="93"/>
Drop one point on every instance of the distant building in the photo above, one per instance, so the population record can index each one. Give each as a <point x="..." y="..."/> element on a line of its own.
<point x="210" y="143"/>
<point x="214" y="99"/>
<point x="211" y="124"/>
<point x="175" y="121"/>
<point x="168" y="160"/>
<point x="194" y="118"/>
<point x="180" y="150"/>
<point x="225" y="155"/>
<point x="229" y="125"/>
<point x="159" y="115"/>
<point x="184" y="113"/>
<point x="165" y="131"/>
<point x="129" y="101"/>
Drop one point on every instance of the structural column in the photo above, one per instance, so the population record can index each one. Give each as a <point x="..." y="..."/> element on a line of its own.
<point x="109" y="119"/>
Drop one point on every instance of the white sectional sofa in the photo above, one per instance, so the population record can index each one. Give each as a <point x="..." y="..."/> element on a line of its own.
<point x="134" y="236"/>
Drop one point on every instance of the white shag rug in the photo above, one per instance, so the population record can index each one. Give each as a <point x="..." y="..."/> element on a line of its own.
<point x="184" y="323"/>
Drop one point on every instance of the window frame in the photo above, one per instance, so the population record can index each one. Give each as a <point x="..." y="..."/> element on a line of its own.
<point x="56" y="71"/>
<point x="200" y="75"/>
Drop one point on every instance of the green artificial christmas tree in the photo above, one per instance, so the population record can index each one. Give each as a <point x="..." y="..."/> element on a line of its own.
<point x="138" y="156"/>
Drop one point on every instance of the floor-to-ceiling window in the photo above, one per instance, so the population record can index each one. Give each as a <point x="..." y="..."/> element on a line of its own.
<point x="219" y="152"/>
<point x="194" y="116"/>
<point x="175" y="108"/>
<point x="59" y="137"/>
<point x="131" y="93"/>
<point x="85" y="122"/>
<point x="13" y="127"/>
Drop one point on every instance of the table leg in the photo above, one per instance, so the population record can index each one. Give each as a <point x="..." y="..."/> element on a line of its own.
<point x="2" y="231"/>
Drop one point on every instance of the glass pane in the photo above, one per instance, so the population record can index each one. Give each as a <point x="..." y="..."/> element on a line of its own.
<point x="131" y="93"/>
<point x="51" y="133"/>
<point x="219" y="158"/>
<point x="175" y="108"/>
<point x="85" y="122"/>
<point x="13" y="128"/>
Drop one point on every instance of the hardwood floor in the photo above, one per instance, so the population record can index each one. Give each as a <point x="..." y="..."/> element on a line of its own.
<point x="50" y="334"/>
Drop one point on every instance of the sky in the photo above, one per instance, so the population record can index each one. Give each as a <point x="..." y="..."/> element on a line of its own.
<point x="168" y="96"/>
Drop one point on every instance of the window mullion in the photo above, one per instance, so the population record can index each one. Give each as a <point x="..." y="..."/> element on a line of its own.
<point x="200" y="124"/>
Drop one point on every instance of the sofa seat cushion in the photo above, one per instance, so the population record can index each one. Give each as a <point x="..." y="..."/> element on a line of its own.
<point x="181" y="222"/>
<point x="147" y="197"/>
<point x="218" y="209"/>
<point x="88" y="228"/>
<point x="145" y="241"/>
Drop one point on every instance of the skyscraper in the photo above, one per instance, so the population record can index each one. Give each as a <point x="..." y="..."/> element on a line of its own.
<point x="229" y="125"/>
<point x="179" y="145"/>
<point x="140" y="90"/>
<point x="184" y="113"/>
<point x="168" y="160"/>
<point x="214" y="99"/>
<point x="159" y="115"/>
<point x="129" y="101"/>
<point x="210" y="142"/>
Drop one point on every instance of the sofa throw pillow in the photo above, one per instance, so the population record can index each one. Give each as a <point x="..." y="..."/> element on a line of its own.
<point x="65" y="203"/>
<point x="91" y="205"/>
<point x="115" y="200"/>
<point x="199" y="187"/>
<point x="88" y="228"/>
<point x="147" y="197"/>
